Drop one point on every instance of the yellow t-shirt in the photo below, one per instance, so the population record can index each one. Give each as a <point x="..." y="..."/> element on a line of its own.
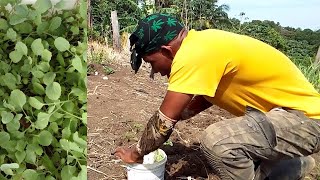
<point x="234" y="71"/>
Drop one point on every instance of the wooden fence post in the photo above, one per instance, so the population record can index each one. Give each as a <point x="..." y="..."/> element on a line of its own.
<point x="115" y="31"/>
<point x="89" y="14"/>
<point x="317" y="60"/>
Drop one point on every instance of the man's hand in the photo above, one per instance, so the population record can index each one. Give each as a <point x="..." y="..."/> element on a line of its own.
<point x="128" y="155"/>
<point x="158" y="129"/>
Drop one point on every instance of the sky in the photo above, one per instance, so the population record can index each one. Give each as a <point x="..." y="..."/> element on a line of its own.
<point x="293" y="13"/>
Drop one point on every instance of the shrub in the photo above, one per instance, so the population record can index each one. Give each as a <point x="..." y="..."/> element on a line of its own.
<point x="43" y="91"/>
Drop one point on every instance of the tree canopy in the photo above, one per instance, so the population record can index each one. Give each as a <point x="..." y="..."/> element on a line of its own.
<point x="300" y="45"/>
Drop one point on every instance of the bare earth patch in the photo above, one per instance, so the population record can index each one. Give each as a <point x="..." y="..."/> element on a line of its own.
<point x="120" y="105"/>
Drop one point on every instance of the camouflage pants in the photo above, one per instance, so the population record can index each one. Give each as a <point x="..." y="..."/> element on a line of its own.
<point x="234" y="147"/>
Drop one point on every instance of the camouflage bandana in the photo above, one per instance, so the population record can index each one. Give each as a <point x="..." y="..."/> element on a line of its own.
<point x="151" y="33"/>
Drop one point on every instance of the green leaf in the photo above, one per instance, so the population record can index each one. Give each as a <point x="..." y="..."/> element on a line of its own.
<point x="16" y="19"/>
<point x="4" y="138"/>
<point x="21" y="48"/>
<point x="5" y="2"/>
<point x="10" y="81"/>
<point x="48" y="78"/>
<point x="9" y="106"/>
<point x="50" y="178"/>
<point x="15" y="56"/>
<point x="46" y="55"/>
<point x="66" y="132"/>
<point x="74" y="147"/>
<point x="30" y="174"/>
<point x="65" y="144"/>
<point x="67" y="172"/>
<point x="20" y="156"/>
<point x="51" y="108"/>
<point x="13" y="126"/>
<point x="70" y="159"/>
<point x="37" y="47"/>
<point x="37" y="18"/>
<point x="53" y="91"/>
<point x="42" y="5"/>
<point x="21" y="10"/>
<point x="83" y="173"/>
<point x="17" y="98"/>
<point x="1" y="92"/>
<point x="61" y="59"/>
<point x="10" y="146"/>
<point x="84" y="118"/>
<point x="82" y="143"/>
<point x="17" y="117"/>
<point x="24" y="27"/>
<point x="55" y="23"/>
<point x="11" y="34"/>
<point x="53" y="127"/>
<point x="36" y="73"/>
<point x="31" y="157"/>
<point x="21" y="144"/>
<point x="61" y="44"/>
<point x="38" y="88"/>
<point x="75" y="30"/>
<point x="18" y="135"/>
<point x="44" y="66"/>
<point x="83" y="9"/>
<point x="42" y="120"/>
<point x="48" y="163"/>
<point x="81" y="94"/>
<point x="58" y="115"/>
<point x="33" y="16"/>
<point x="34" y="102"/>
<point x="3" y="24"/>
<point x="45" y="138"/>
<point x="77" y="64"/>
<point x="43" y="27"/>
<point x="38" y="149"/>
<point x="6" y="117"/>
<point x="7" y="168"/>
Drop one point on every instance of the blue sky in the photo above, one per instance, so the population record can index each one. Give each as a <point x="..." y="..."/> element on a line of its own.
<point x="294" y="13"/>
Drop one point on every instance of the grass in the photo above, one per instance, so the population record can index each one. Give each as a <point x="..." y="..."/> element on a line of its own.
<point x="108" y="70"/>
<point x="99" y="53"/>
<point x="311" y="72"/>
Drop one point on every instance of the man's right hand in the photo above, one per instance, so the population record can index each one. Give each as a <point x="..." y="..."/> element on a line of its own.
<point x="129" y="155"/>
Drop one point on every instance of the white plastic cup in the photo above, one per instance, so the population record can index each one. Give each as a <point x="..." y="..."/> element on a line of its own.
<point x="153" y="171"/>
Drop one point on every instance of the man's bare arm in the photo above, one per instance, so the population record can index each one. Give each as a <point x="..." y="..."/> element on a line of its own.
<point x="196" y="105"/>
<point x="161" y="124"/>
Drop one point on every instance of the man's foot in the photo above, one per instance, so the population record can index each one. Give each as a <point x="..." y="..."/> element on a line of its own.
<point x="292" y="169"/>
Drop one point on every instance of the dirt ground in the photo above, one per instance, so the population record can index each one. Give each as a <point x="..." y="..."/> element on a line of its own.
<point x="120" y="104"/>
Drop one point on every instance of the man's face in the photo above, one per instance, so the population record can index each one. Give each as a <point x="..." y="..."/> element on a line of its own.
<point x="160" y="62"/>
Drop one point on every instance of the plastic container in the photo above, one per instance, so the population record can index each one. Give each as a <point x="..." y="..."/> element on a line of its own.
<point x="153" y="171"/>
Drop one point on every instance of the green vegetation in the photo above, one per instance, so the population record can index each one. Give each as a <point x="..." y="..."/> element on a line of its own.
<point x="300" y="45"/>
<point x="158" y="156"/>
<point x="43" y="129"/>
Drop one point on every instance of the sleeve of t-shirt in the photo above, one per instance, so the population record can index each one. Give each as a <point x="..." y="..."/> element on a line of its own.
<point x="198" y="72"/>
